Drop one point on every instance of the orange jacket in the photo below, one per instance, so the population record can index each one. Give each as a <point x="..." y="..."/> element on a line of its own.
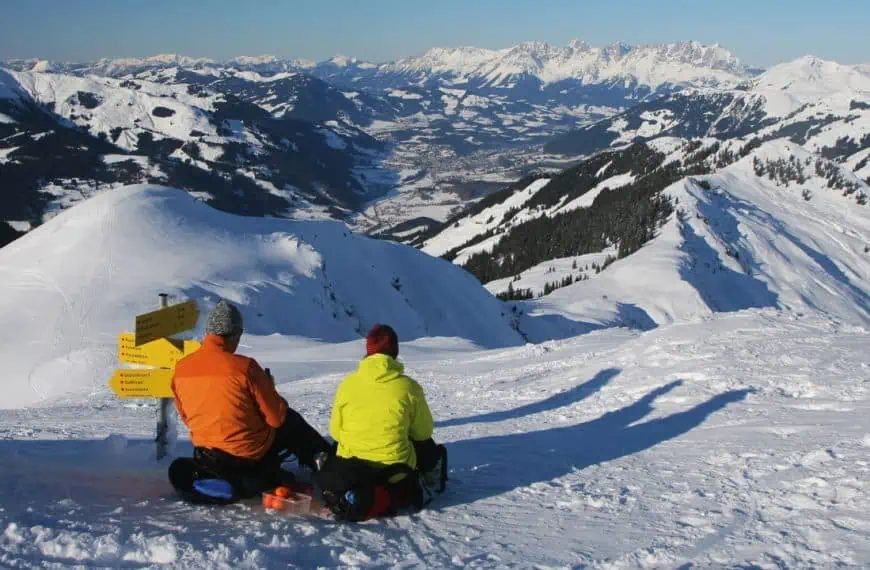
<point x="227" y="401"/>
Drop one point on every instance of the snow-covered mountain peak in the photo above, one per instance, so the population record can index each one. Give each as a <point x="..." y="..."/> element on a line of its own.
<point x="579" y="45"/>
<point x="813" y="70"/>
<point x="342" y="60"/>
<point x="698" y="54"/>
<point x="534" y="54"/>
<point x="459" y="60"/>
<point x="678" y="63"/>
<point x="787" y="86"/>
<point x="265" y="59"/>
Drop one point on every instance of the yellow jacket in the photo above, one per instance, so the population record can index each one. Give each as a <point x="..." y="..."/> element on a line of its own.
<point x="378" y="411"/>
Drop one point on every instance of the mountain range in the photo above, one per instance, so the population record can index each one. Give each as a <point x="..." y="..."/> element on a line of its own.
<point x="652" y="66"/>
<point x="391" y="148"/>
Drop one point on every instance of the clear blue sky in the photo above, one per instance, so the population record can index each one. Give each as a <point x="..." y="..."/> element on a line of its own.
<point x="760" y="32"/>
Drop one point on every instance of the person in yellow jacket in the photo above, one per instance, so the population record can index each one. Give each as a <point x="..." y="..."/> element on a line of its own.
<point x="379" y="412"/>
<point x="383" y="429"/>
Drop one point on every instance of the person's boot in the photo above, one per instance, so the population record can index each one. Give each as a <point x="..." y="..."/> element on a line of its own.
<point x="436" y="478"/>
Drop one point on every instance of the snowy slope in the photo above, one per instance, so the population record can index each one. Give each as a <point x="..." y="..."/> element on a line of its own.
<point x="552" y="272"/>
<point x="488" y="219"/>
<point x="70" y="286"/>
<point x="739" y="441"/>
<point x="747" y="242"/>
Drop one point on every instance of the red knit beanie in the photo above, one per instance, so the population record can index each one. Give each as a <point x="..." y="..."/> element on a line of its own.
<point x="382" y="339"/>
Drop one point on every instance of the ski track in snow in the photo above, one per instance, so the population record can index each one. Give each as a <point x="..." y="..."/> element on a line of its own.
<point x="737" y="440"/>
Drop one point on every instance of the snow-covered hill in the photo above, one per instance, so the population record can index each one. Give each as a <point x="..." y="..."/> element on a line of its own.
<point x="801" y="99"/>
<point x="65" y="137"/>
<point x="769" y="226"/>
<point x="738" y="241"/>
<point x="70" y="286"/>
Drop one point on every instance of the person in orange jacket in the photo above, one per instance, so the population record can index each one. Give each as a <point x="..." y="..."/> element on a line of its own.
<point x="239" y="425"/>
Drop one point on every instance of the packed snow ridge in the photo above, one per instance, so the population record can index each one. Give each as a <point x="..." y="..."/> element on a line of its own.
<point x="309" y="279"/>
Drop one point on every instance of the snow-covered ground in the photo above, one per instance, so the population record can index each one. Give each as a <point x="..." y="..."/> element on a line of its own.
<point x="740" y="440"/>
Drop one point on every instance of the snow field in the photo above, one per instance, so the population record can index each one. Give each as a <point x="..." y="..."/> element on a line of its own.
<point x="739" y="439"/>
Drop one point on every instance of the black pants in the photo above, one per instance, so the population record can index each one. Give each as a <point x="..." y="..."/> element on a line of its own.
<point x="296" y="437"/>
<point x="428" y="454"/>
<point x="340" y="475"/>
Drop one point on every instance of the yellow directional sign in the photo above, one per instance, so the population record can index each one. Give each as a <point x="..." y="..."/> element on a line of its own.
<point x="154" y="383"/>
<point x="162" y="353"/>
<point x="165" y="322"/>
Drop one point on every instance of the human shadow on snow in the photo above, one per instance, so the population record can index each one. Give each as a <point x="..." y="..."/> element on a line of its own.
<point x="556" y="401"/>
<point x="489" y="466"/>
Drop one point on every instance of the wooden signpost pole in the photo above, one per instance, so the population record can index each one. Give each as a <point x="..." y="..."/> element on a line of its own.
<point x="163" y="418"/>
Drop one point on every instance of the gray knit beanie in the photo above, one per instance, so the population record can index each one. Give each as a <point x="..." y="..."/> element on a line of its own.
<point x="224" y="320"/>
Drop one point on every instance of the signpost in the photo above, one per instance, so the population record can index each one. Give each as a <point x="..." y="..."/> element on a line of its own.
<point x="165" y="322"/>
<point x="149" y="383"/>
<point x="163" y="352"/>
<point x="149" y="346"/>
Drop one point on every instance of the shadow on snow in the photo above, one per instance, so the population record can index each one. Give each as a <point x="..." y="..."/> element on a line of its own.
<point x="560" y="400"/>
<point x="493" y="465"/>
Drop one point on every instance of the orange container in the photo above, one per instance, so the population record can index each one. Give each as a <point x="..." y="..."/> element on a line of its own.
<point x="294" y="503"/>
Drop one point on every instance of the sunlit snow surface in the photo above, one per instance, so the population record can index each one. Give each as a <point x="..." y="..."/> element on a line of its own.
<point x="741" y="439"/>
<point x="702" y="403"/>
